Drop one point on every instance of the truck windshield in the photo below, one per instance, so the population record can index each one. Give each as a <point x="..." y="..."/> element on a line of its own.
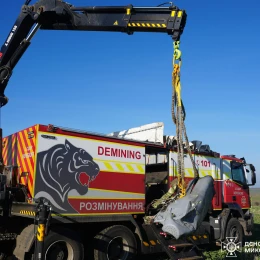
<point x="238" y="174"/>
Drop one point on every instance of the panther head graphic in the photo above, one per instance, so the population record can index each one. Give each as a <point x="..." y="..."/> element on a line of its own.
<point x="79" y="167"/>
<point x="62" y="168"/>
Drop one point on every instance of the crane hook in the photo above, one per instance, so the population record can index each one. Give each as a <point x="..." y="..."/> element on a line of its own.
<point x="177" y="51"/>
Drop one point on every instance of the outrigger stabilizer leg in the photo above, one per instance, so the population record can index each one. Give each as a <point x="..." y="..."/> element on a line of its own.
<point x="42" y="218"/>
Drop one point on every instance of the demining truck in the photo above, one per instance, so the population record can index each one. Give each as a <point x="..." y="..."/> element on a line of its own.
<point x="103" y="191"/>
<point x="70" y="194"/>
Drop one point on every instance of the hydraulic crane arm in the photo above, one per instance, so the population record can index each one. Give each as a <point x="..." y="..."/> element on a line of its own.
<point x="58" y="15"/>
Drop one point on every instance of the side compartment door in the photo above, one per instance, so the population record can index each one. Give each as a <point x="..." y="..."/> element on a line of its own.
<point x="211" y="166"/>
<point x="173" y="167"/>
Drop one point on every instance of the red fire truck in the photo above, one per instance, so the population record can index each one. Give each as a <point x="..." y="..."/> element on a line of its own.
<point x="100" y="188"/>
<point x="90" y="194"/>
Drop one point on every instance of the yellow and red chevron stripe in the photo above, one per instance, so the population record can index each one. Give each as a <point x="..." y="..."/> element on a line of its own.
<point x="14" y="149"/>
<point x="10" y="150"/>
<point x="4" y="151"/>
<point x="26" y="155"/>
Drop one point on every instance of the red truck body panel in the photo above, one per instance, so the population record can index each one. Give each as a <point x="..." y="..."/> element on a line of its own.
<point x="80" y="173"/>
<point x="83" y="173"/>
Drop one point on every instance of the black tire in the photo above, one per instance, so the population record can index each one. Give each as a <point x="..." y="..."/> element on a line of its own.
<point x="63" y="244"/>
<point x="235" y="230"/>
<point x="114" y="243"/>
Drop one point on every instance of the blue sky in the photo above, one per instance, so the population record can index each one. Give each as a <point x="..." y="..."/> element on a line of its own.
<point x="105" y="82"/>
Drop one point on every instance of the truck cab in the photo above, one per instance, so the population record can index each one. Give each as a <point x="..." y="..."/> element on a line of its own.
<point x="238" y="176"/>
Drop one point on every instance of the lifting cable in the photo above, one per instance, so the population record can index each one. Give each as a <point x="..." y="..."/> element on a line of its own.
<point x="178" y="117"/>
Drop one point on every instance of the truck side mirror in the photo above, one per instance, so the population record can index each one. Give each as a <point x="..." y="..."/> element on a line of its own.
<point x="252" y="167"/>
<point x="253" y="178"/>
<point x="251" y="181"/>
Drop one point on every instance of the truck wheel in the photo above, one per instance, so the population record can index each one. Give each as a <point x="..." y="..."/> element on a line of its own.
<point x="235" y="230"/>
<point x="63" y="244"/>
<point x="115" y="242"/>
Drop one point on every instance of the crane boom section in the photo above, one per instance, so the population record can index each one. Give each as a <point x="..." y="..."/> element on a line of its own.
<point x="59" y="15"/>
